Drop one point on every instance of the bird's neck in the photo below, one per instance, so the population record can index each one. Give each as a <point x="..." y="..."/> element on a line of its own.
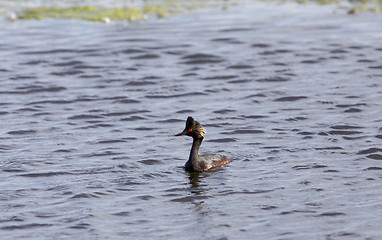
<point x="195" y="148"/>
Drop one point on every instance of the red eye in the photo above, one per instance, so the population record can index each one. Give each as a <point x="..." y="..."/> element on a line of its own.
<point x="190" y="130"/>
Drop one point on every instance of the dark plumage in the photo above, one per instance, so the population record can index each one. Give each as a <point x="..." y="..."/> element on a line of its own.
<point x="203" y="162"/>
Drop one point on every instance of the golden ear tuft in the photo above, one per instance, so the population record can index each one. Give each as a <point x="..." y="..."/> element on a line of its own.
<point x="199" y="129"/>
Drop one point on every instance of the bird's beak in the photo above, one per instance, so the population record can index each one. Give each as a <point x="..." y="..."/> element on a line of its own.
<point x="182" y="133"/>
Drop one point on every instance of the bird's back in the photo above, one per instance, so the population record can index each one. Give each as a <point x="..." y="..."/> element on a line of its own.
<point x="206" y="162"/>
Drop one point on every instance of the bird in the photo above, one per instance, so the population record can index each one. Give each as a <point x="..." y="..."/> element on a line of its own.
<point x="202" y="162"/>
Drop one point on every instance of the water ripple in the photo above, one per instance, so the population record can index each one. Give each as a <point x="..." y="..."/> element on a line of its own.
<point x="89" y="112"/>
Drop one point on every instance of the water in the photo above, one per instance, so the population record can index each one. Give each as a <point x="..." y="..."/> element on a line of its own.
<point x="292" y="94"/>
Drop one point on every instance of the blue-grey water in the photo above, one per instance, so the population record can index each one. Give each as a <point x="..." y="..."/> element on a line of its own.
<point x="291" y="93"/>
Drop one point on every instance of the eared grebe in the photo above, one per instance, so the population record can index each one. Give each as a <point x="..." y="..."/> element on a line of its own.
<point x="203" y="162"/>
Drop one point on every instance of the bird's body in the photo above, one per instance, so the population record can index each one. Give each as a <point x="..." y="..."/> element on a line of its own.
<point x="202" y="162"/>
<point x="206" y="162"/>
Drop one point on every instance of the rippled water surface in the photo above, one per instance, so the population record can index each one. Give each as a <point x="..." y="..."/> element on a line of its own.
<point x="292" y="94"/>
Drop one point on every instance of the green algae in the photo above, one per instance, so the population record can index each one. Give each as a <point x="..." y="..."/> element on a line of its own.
<point x="366" y="6"/>
<point x="168" y="7"/>
<point x="92" y="13"/>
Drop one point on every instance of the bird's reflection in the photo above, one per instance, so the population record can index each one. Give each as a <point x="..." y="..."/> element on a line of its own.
<point x="202" y="215"/>
<point x="202" y="211"/>
<point x="194" y="179"/>
<point x="197" y="185"/>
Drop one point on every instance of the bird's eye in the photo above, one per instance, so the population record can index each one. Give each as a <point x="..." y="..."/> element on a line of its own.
<point x="190" y="130"/>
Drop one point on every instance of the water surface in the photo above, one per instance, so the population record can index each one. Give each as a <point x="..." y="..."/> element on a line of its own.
<point x="292" y="94"/>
